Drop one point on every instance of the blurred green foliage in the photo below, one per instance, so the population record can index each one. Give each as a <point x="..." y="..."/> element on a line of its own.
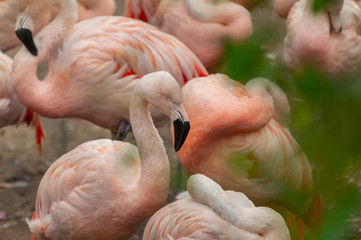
<point x="326" y="122"/>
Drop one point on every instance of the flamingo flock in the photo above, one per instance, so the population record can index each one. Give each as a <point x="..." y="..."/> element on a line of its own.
<point x="160" y="63"/>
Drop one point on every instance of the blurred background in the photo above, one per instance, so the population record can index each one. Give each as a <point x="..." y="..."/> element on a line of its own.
<point x="326" y="122"/>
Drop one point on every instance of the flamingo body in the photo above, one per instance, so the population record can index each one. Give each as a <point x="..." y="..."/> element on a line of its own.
<point x="208" y="216"/>
<point x="311" y="40"/>
<point x="12" y="112"/>
<point x="104" y="189"/>
<point x="93" y="72"/>
<point x="240" y="146"/>
<point x="203" y="27"/>
<point x="77" y="191"/>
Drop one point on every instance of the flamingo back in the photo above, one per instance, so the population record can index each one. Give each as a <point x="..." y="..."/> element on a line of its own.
<point x="101" y="61"/>
<point x="93" y="174"/>
<point x="189" y="219"/>
<point x="209" y="212"/>
<point x="204" y="35"/>
<point x="260" y="159"/>
<point x="136" y="48"/>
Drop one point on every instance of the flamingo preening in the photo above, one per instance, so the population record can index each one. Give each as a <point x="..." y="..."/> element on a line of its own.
<point x="206" y="211"/>
<point x="236" y="141"/>
<point x="9" y="10"/>
<point x="201" y="24"/>
<point x="104" y="189"/>
<point x="329" y="40"/>
<point x="12" y="112"/>
<point x="94" y="65"/>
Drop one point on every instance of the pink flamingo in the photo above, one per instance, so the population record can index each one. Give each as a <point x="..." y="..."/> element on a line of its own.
<point x="9" y="10"/>
<point x="12" y="112"/>
<point x="236" y="142"/>
<point x="201" y="24"/>
<point x="104" y="189"/>
<point x="329" y="40"/>
<point x="92" y="8"/>
<point x="206" y="211"/>
<point x="94" y="69"/>
<point x="283" y="7"/>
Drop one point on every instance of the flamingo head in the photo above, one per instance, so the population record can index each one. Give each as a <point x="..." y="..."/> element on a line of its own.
<point x="23" y="29"/>
<point x="164" y="92"/>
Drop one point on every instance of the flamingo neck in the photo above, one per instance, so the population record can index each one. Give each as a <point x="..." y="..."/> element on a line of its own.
<point x="31" y="91"/>
<point x="154" y="179"/>
<point x="230" y="209"/>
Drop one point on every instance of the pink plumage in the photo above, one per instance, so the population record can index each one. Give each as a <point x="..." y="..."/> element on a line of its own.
<point x="206" y="211"/>
<point x="103" y="189"/>
<point x="236" y="141"/>
<point x="329" y="40"/>
<point x="12" y="111"/>
<point x="94" y="66"/>
<point x="201" y="25"/>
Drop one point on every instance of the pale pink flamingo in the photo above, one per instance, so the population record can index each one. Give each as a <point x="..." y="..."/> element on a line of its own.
<point x="104" y="189"/>
<point x="9" y="10"/>
<point x="12" y="112"/>
<point x="235" y="141"/>
<point x="206" y="211"/>
<point x="202" y="25"/>
<point x="92" y="8"/>
<point x="329" y="40"/>
<point x="94" y="69"/>
<point x="283" y="7"/>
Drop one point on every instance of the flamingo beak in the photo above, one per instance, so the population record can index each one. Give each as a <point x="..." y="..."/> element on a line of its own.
<point x="23" y="30"/>
<point x="26" y="37"/>
<point x="181" y="128"/>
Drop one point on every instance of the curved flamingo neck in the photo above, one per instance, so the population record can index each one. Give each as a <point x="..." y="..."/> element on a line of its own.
<point x="154" y="179"/>
<point x="204" y="190"/>
<point x="31" y="91"/>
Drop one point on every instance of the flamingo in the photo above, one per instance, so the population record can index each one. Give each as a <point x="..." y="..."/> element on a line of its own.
<point x="12" y="112"/>
<point x="283" y="7"/>
<point x="94" y="65"/>
<point x="202" y="25"/>
<point x="92" y="8"/>
<point x="104" y="189"/>
<point x="9" y="10"/>
<point x="330" y="39"/>
<point x="206" y="211"/>
<point x="236" y="141"/>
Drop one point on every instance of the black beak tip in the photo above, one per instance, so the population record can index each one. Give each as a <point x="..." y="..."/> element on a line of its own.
<point x="181" y="130"/>
<point x="25" y="36"/>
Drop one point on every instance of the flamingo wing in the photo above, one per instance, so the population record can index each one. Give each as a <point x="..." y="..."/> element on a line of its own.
<point x="130" y="48"/>
<point x="80" y="180"/>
